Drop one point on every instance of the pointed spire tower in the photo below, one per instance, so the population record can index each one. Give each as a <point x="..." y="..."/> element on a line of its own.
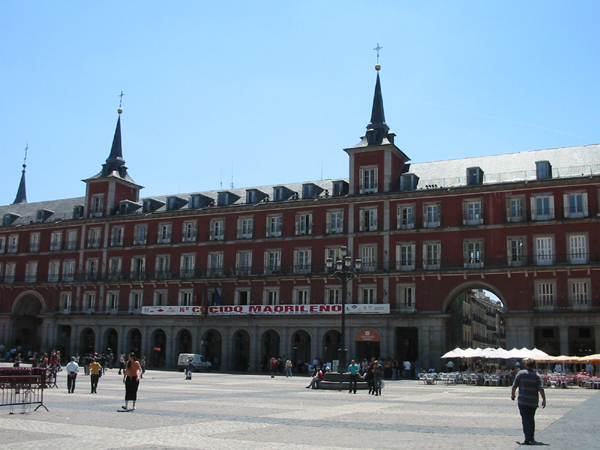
<point x="375" y="162"/>
<point x="113" y="185"/>
<point x="22" y="192"/>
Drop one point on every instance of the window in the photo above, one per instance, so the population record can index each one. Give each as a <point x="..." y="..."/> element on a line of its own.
<point x="335" y="222"/>
<point x="97" y="206"/>
<point x="2" y="244"/>
<point x="116" y="238"/>
<point x="114" y="268"/>
<point x="215" y="264"/>
<point x="406" y="297"/>
<point x="65" y="301"/>
<point x="136" y="299"/>
<point x="94" y="238"/>
<point x="77" y="212"/>
<point x="89" y="301"/>
<point x="217" y="229"/>
<point x="473" y="253"/>
<point x="13" y="243"/>
<point x="578" y="252"/>
<point x="112" y="301"/>
<point x="542" y="207"/>
<point x="34" y="242"/>
<point x="576" y="205"/>
<point x="368" y="219"/>
<point x="544" y="250"/>
<point x="333" y="296"/>
<point x="368" y="256"/>
<point x="91" y="269"/>
<point x="160" y="298"/>
<point x="405" y="256"/>
<point x="340" y="188"/>
<point x="164" y="233"/>
<point x="474" y="176"/>
<point x="408" y="182"/>
<point x="301" y="296"/>
<point x="516" y="251"/>
<point x="472" y="212"/>
<point x="271" y="296"/>
<point x="431" y="215"/>
<point x="367" y="295"/>
<point x="515" y="209"/>
<point x="242" y="296"/>
<point x="406" y="217"/>
<point x="431" y="255"/>
<point x="543" y="170"/>
<point x="140" y="235"/>
<point x="189" y="231"/>
<point x="243" y="263"/>
<point x="72" y="240"/>
<point x="188" y="265"/>
<point x="9" y="276"/>
<point x="272" y="262"/>
<point x="302" y="260"/>
<point x="53" y="271"/>
<point x="274" y="225"/>
<point x="333" y="253"/>
<point x="579" y="294"/>
<point x="31" y="272"/>
<point x="186" y="298"/>
<point x="368" y="180"/>
<point x="162" y="266"/>
<point x="245" y="225"/>
<point x="308" y="191"/>
<point x="68" y="273"/>
<point x="138" y="268"/>
<point x="304" y="225"/>
<point x="56" y="241"/>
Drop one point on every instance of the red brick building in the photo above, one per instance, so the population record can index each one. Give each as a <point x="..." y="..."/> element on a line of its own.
<point x="239" y="275"/>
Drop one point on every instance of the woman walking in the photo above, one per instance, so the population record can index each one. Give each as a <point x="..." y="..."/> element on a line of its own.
<point x="131" y="378"/>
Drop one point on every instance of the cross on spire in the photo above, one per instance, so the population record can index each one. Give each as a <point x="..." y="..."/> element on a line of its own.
<point x="121" y="99"/>
<point x="377" y="49"/>
<point x="25" y="159"/>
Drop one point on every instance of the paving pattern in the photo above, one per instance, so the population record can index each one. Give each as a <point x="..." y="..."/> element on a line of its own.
<point x="250" y="412"/>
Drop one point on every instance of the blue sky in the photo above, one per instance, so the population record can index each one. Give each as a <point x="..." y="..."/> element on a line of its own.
<point x="269" y="92"/>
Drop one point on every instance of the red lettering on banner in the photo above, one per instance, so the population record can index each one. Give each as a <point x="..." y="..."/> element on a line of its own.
<point x="255" y="309"/>
<point x="238" y="309"/>
<point x="289" y="308"/>
<point x="267" y="309"/>
<point x="325" y="308"/>
<point x="336" y="308"/>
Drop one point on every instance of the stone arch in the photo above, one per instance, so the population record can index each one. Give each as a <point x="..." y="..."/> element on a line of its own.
<point x="331" y="343"/>
<point x="158" y="340"/>
<point x="25" y="304"/>
<point x="87" y="341"/>
<point x="467" y="286"/>
<point x="133" y="343"/>
<point x="240" y="355"/>
<point x="184" y="341"/>
<point x="301" y="341"/>
<point x="110" y="340"/>
<point x="211" y="347"/>
<point x="27" y="317"/>
<point x="270" y="346"/>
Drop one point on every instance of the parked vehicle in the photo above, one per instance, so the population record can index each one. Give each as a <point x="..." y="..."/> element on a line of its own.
<point x="200" y="362"/>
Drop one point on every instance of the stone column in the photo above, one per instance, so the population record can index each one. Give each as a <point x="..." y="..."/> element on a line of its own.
<point x="226" y="347"/>
<point x="597" y="338"/>
<point x="564" y="339"/>
<point x="255" y="346"/>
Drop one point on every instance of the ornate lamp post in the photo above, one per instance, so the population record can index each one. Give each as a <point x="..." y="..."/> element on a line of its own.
<point x="343" y="273"/>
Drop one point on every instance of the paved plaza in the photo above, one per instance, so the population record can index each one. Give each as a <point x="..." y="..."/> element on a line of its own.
<point x="250" y="412"/>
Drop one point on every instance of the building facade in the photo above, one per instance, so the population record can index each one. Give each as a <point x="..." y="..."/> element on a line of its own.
<point x="240" y="275"/>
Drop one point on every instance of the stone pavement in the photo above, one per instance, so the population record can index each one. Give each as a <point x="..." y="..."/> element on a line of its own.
<point x="249" y="412"/>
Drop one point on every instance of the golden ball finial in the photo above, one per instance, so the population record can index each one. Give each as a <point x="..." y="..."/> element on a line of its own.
<point x="119" y="110"/>
<point x="377" y="67"/>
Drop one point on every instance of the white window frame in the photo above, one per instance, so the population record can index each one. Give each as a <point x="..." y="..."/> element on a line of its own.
<point x="68" y="270"/>
<point x="368" y="180"/>
<point x="473" y="212"/>
<point x="89" y="301"/>
<point x="136" y="300"/>
<point x="160" y="297"/>
<point x="140" y="235"/>
<point x="117" y="236"/>
<point x="13" y="243"/>
<point x="163" y="266"/>
<point x="215" y="264"/>
<point x="165" y="232"/>
<point x="71" y="239"/>
<point x="544" y="250"/>
<point x="274" y="225"/>
<point x="575" y="209"/>
<point x="432" y="215"/>
<point x="578" y="251"/>
<point x="542" y="212"/>
<point x="304" y="223"/>
<point x="92" y="266"/>
<point x="186" y="297"/>
<point x="138" y="267"/>
<point x="515" y="209"/>
<point x="217" y="230"/>
<point x="405" y="255"/>
<point x="53" y="271"/>
<point x="189" y="231"/>
<point x="238" y="296"/>
<point x="115" y="266"/>
<point x="31" y="271"/>
<point x="272" y="261"/>
<point x="368" y="257"/>
<point x="367" y="295"/>
<point x="66" y="301"/>
<point x="112" y="301"/>
<point x="406" y="297"/>
<point x="243" y="262"/>
<point x="405" y="216"/>
<point x="368" y="218"/>
<point x="245" y="227"/>
<point x="432" y="255"/>
<point x="333" y="295"/>
<point x="335" y="221"/>
<point x="97" y="205"/>
<point x="516" y="248"/>
<point x="34" y="242"/>
<point x="301" y="295"/>
<point x="271" y="296"/>
<point x="473" y="253"/>
<point x="302" y="260"/>
<point x="94" y="237"/>
<point x="579" y="294"/>
<point x="9" y="272"/>
<point x="2" y="244"/>
<point x="187" y="266"/>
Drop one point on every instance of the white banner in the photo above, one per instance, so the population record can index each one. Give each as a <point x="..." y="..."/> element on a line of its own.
<point x="225" y="310"/>
<point x="172" y="310"/>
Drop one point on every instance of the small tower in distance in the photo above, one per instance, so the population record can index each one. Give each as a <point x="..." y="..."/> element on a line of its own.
<point x="22" y="191"/>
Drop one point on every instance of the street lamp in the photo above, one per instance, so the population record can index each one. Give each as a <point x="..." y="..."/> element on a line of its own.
<point x="344" y="274"/>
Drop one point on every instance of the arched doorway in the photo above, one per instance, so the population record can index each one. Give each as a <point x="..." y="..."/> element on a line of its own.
<point x="27" y="319"/>
<point x="63" y="343"/>
<point x="331" y="345"/>
<point x="475" y="317"/>
<point x="241" y="350"/>
<point x="270" y="348"/>
<point x="301" y="342"/>
<point x="87" y="342"/>
<point x="212" y="348"/>
<point x="184" y="342"/>
<point x="135" y="342"/>
<point x="159" y="353"/>
<point x="111" y="341"/>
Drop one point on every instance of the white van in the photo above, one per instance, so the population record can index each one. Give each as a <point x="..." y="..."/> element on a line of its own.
<point x="200" y="362"/>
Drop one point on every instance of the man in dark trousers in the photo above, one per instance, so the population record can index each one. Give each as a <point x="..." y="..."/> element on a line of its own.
<point x="354" y="375"/>
<point x="530" y="385"/>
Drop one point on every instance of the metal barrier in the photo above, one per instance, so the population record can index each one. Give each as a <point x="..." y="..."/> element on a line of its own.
<point x="22" y="388"/>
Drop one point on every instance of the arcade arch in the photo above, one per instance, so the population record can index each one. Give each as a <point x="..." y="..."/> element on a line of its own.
<point x="270" y="347"/>
<point x="211" y="348"/>
<point x="301" y="342"/>
<point x="241" y="351"/>
<point x="27" y="318"/>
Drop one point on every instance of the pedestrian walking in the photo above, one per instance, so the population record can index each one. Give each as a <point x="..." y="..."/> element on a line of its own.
<point x="190" y="368"/>
<point x="95" y="374"/>
<point x="529" y="384"/>
<point x="354" y="374"/>
<point x="121" y="364"/>
<point x="288" y="368"/>
<point x="131" y="378"/>
<point x="72" y="370"/>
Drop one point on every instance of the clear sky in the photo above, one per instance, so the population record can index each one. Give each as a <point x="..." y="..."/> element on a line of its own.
<point x="270" y="92"/>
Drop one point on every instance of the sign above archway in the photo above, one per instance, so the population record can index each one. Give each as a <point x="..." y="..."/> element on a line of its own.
<point x="368" y="336"/>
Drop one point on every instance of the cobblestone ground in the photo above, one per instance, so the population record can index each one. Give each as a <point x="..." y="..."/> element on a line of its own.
<point x="250" y="412"/>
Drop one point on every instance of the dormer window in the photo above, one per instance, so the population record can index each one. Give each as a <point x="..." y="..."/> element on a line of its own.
<point x="311" y="190"/>
<point x="254" y="196"/>
<point x="150" y="205"/>
<point x="281" y="193"/>
<point x="474" y="176"/>
<point x="97" y="206"/>
<point x="226" y="198"/>
<point x="200" y="201"/>
<point x="42" y="215"/>
<point x="8" y="219"/>
<point x="408" y="182"/>
<point x="77" y="212"/>
<point x="543" y="170"/>
<point x="368" y="180"/>
<point x="174" y="203"/>
<point x="340" y="188"/>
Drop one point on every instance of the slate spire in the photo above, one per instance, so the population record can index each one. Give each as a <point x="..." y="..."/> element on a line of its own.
<point x="22" y="191"/>
<point x="377" y="128"/>
<point x="115" y="161"/>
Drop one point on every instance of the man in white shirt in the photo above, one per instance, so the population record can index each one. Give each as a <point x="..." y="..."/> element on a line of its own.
<point x="72" y="370"/>
<point x="407" y="367"/>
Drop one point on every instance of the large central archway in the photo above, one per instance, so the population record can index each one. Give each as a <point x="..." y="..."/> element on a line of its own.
<point x="27" y="318"/>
